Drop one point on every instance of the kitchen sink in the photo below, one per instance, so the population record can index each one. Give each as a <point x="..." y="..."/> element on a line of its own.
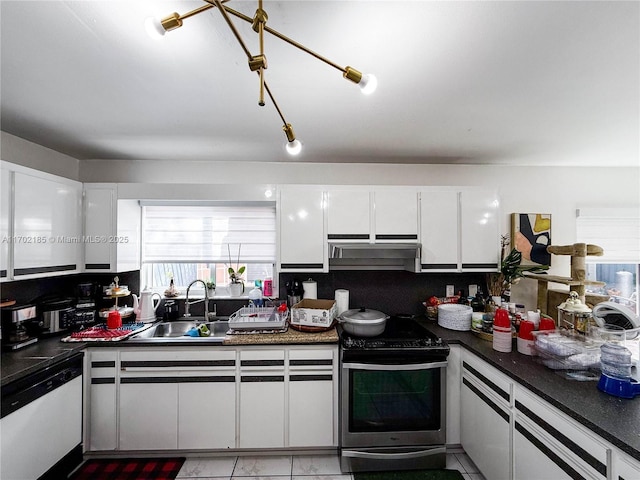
<point x="177" y="331"/>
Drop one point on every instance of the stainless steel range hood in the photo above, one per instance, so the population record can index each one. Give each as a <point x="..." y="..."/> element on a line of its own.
<point x="374" y="256"/>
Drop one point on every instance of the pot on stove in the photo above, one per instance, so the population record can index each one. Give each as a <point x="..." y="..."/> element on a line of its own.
<point x="363" y="322"/>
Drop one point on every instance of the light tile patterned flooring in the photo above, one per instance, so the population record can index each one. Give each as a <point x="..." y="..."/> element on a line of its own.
<point x="316" y="467"/>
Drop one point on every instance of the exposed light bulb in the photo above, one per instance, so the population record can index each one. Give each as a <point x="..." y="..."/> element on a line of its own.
<point x="294" y="147"/>
<point x="154" y="27"/>
<point x="368" y="84"/>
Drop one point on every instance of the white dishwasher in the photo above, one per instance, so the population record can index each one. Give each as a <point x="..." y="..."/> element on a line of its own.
<point x="41" y="426"/>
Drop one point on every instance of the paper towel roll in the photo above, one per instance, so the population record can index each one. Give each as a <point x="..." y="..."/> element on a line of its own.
<point x="342" y="301"/>
<point x="310" y="289"/>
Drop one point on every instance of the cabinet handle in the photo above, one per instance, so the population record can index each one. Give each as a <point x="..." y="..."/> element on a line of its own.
<point x="390" y="456"/>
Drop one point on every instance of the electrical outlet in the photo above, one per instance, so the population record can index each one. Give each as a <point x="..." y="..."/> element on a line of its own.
<point x="450" y="290"/>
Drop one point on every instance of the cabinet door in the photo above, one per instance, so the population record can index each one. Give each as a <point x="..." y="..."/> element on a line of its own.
<point x="313" y="381"/>
<point x="349" y="215"/>
<point x="207" y="413"/>
<point x="99" y="227"/>
<point x="262" y="399"/>
<point x="148" y="414"/>
<point x="5" y="205"/>
<point x="439" y="230"/>
<point x="454" y="380"/>
<point x="302" y="238"/>
<point x="102" y="401"/>
<point x="479" y="230"/>
<point x="47" y="221"/>
<point x="624" y="467"/>
<point x="535" y="460"/>
<point x="396" y="214"/>
<point x="547" y="437"/>
<point x="485" y="430"/>
<point x="485" y="416"/>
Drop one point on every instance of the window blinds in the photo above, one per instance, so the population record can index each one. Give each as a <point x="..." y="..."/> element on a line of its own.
<point x="207" y="233"/>
<point x="616" y="230"/>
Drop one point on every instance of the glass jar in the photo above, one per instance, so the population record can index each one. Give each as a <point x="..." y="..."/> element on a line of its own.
<point x="574" y="315"/>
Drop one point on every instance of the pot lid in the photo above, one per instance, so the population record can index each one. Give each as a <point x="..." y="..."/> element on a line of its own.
<point x="364" y="315"/>
<point x="574" y="305"/>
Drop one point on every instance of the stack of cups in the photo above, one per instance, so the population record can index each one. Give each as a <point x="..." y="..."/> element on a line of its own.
<point x="114" y="320"/>
<point x="525" y="339"/>
<point x="342" y="301"/>
<point x="502" y="331"/>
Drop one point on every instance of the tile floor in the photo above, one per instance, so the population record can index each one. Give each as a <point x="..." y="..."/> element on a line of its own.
<point x="316" y="467"/>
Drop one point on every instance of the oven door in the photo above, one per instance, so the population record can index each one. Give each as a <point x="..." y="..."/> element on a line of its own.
<point x="390" y="404"/>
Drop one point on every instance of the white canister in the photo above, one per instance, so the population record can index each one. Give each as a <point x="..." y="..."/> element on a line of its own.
<point x="310" y="289"/>
<point x="342" y="301"/>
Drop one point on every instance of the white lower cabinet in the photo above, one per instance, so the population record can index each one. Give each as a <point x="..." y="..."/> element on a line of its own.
<point x="548" y="443"/>
<point x="486" y="417"/>
<point x="511" y="433"/>
<point x="313" y="374"/>
<point x="101" y="433"/>
<point x="148" y="414"/>
<point x="171" y="399"/>
<point x="262" y="398"/>
<point x="161" y="398"/>
<point x="454" y="382"/>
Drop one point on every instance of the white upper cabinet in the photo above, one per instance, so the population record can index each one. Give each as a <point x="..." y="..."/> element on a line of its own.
<point x="364" y="215"/>
<point x="47" y="224"/>
<point x="459" y="229"/>
<point x="349" y="215"/>
<point x="111" y="229"/>
<point x="302" y="238"/>
<point x="5" y="209"/>
<point x="479" y="230"/>
<point x="396" y="214"/>
<point x="439" y="230"/>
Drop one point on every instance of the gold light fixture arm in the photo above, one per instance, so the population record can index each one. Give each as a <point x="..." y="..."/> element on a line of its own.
<point x="345" y="70"/>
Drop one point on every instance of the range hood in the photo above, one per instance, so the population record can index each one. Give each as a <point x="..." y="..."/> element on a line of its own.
<point x="374" y="256"/>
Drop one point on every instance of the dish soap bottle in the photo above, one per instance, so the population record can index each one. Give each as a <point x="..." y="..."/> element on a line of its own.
<point x="255" y="295"/>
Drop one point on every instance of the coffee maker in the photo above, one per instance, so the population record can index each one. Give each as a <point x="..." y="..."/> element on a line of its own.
<point x="14" y="331"/>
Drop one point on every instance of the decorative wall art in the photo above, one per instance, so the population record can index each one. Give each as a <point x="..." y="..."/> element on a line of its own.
<point x="531" y="235"/>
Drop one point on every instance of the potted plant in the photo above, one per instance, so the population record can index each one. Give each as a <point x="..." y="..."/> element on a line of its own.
<point x="236" y="285"/>
<point x="211" y="288"/>
<point x="511" y="271"/>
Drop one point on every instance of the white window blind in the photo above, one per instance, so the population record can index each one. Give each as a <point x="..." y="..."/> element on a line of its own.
<point x="616" y="230"/>
<point x="206" y="233"/>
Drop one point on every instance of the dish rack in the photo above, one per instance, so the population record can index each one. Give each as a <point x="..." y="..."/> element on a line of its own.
<point x="258" y="318"/>
<point x="567" y="352"/>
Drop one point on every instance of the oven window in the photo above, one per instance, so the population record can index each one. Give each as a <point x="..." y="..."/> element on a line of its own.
<point x="386" y="401"/>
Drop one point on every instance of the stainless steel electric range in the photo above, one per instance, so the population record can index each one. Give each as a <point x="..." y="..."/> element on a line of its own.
<point x="392" y="396"/>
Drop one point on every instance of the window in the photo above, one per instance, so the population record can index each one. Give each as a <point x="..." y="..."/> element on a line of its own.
<point x="201" y="241"/>
<point x="617" y="231"/>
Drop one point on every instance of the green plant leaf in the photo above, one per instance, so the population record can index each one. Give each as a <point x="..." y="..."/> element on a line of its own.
<point x="241" y="270"/>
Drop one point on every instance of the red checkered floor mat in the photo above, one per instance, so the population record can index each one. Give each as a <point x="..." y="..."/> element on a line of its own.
<point x="129" y="469"/>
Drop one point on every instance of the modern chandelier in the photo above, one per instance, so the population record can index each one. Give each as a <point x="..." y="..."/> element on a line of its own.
<point x="258" y="63"/>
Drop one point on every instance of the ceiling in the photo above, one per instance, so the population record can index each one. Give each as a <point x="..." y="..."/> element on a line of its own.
<point x="480" y="82"/>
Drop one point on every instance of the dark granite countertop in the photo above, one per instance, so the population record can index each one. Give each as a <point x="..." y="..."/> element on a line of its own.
<point x="47" y="351"/>
<point x="617" y="420"/>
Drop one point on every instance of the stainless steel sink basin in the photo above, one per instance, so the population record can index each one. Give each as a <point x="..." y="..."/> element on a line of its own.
<point x="177" y="331"/>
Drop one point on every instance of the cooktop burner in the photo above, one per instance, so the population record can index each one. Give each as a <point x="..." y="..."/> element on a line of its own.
<point x="401" y="335"/>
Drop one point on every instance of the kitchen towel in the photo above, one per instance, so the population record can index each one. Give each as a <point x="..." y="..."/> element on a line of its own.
<point x="310" y="289"/>
<point x="342" y="301"/>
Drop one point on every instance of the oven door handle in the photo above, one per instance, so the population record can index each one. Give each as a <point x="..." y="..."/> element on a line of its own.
<point x="394" y="367"/>
<point x="393" y="456"/>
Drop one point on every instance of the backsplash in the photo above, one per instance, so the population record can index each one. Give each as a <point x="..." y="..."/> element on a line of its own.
<point x="392" y="292"/>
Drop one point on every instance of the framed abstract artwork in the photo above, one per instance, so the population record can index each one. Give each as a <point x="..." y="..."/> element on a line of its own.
<point x="531" y="235"/>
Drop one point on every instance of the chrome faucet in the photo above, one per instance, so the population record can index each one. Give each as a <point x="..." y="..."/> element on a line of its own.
<point x="205" y="300"/>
